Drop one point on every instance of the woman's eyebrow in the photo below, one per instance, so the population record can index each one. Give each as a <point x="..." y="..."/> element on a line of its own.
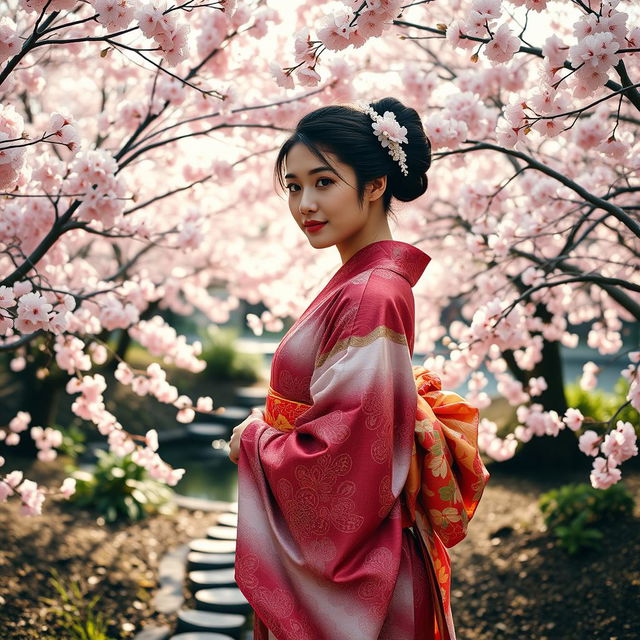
<point x="315" y="170"/>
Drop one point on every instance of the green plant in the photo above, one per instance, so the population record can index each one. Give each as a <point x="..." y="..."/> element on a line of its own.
<point x="224" y="361"/>
<point x="600" y="405"/>
<point x="74" y="613"/>
<point x="73" y="439"/>
<point x="572" y="511"/>
<point x="118" y="488"/>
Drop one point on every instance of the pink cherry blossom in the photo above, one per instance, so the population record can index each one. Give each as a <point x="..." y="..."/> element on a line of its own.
<point x="123" y="373"/>
<point x="620" y="445"/>
<point x="9" y="41"/>
<point x="70" y="356"/>
<point x="282" y="79"/>
<point x="20" y="422"/>
<point x="151" y="439"/>
<point x="204" y="403"/>
<point x="308" y="77"/>
<point x="33" y="313"/>
<point x="573" y="418"/>
<point x="337" y="30"/>
<point x="589" y="443"/>
<point x="596" y="50"/>
<point x="303" y="47"/>
<point x="114" y="14"/>
<point x="120" y="443"/>
<point x="443" y="132"/>
<point x="503" y="45"/>
<point x="604" y="474"/>
<point x="536" y="5"/>
<point x="455" y="33"/>
<point x="7" y="297"/>
<point x="589" y="380"/>
<point x="537" y="386"/>
<point x="371" y="23"/>
<point x="32" y="498"/>
<point x="486" y="9"/>
<point x="68" y="487"/>
<point x="185" y="416"/>
<point x="555" y="50"/>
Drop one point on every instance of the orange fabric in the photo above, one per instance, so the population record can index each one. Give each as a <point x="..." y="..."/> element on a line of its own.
<point x="446" y="476"/>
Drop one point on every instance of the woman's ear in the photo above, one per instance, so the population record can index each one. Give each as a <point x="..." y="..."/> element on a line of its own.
<point x="375" y="188"/>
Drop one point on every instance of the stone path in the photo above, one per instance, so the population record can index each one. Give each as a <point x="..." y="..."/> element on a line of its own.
<point x="221" y="607"/>
<point x="207" y="565"/>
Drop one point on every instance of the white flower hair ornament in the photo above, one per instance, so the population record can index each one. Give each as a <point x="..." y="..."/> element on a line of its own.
<point x="390" y="134"/>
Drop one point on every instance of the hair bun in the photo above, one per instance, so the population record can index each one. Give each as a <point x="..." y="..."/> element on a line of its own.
<point x="418" y="150"/>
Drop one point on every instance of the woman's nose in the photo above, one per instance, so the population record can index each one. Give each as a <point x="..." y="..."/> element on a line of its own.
<point x="307" y="202"/>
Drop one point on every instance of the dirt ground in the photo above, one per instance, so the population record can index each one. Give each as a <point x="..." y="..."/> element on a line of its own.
<point x="510" y="580"/>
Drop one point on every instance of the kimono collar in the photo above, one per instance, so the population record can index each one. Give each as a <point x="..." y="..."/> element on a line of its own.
<point x="401" y="257"/>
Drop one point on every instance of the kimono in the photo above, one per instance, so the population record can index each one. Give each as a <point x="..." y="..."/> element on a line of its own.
<point x="362" y="472"/>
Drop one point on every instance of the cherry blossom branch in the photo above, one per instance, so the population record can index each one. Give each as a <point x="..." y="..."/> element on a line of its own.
<point x="613" y="210"/>
<point x="620" y="297"/>
<point x="628" y="89"/>
<point x="151" y="117"/>
<point x="13" y="62"/>
<point x="217" y="127"/>
<point x="581" y="110"/>
<point x="11" y="346"/>
<point x="208" y="116"/>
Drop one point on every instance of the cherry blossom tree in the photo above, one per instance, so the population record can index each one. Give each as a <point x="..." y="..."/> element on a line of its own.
<point x="111" y="209"/>
<point x="152" y="187"/>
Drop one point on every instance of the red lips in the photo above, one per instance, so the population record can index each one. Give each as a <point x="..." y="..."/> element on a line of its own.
<point x="314" y="223"/>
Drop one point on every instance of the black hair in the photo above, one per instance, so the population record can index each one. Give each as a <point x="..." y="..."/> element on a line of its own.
<point x="346" y="132"/>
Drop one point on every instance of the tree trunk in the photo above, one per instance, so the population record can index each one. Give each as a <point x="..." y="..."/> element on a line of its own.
<point x="549" y="451"/>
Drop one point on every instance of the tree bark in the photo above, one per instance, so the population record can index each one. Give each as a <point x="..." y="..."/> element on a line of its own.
<point x="545" y="452"/>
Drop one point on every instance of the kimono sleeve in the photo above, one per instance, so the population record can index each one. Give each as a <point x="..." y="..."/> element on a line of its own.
<point x="319" y="509"/>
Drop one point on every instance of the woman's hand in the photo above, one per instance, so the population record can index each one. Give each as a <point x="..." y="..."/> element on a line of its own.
<point x="234" y="443"/>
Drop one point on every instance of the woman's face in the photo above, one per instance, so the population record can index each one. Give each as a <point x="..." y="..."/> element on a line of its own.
<point x="318" y="193"/>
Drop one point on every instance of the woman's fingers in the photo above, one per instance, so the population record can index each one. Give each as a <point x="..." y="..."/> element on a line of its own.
<point x="234" y="443"/>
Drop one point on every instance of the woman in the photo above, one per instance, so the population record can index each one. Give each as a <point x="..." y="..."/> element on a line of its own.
<point x="361" y="470"/>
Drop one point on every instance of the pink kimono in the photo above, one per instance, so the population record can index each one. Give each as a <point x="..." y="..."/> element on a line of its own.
<point x="362" y="472"/>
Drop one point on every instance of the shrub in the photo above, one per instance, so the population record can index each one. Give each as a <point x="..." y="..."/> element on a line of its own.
<point x="73" y="439"/>
<point x="569" y="510"/>
<point x="118" y="488"/>
<point x="224" y="361"/>
<point x="601" y="405"/>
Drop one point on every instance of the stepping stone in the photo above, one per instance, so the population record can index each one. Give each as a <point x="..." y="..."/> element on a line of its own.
<point x="232" y="416"/>
<point x="222" y="600"/>
<point x="208" y="430"/>
<point x="154" y="633"/>
<point x="197" y="635"/>
<point x="228" y="519"/>
<point x="251" y="396"/>
<point x="197" y="561"/>
<point x="193" y="620"/>
<point x="212" y="578"/>
<point x="204" y="545"/>
<point x="222" y="533"/>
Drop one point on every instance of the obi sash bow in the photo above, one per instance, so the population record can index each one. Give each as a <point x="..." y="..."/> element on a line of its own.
<point x="445" y="481"/>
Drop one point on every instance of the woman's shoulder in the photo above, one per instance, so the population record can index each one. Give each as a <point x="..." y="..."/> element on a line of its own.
<point x="377" y="296"/>
<point x="378" y="283"/>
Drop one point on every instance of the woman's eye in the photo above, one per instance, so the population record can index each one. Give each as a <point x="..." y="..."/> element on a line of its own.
<point x="321" y="182"/>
